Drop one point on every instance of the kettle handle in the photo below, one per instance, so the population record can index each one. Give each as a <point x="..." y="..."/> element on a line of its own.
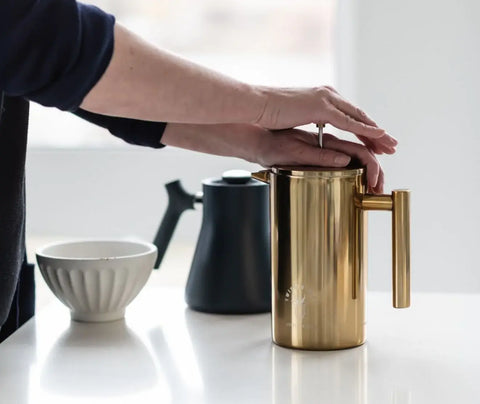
<point x="179" y="201"/>
<point x="399" y="203"/>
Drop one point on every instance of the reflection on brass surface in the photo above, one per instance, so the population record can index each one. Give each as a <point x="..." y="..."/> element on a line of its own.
<point x="318" y="243"/>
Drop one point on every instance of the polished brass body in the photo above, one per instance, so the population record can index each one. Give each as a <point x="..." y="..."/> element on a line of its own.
<point x="319" y="253"/>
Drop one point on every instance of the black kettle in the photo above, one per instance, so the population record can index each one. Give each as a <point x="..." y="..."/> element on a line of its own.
<point x="230" y="272"/>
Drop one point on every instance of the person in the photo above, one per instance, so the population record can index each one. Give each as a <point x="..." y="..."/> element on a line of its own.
<point x="75" y="57"/>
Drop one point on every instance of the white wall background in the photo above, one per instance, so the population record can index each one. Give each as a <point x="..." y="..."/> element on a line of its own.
<point x="114" y="192"/>
<point x="414" y="66"/>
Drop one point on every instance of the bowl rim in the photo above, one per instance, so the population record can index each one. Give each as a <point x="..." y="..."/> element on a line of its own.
<point x="151" y="248"/>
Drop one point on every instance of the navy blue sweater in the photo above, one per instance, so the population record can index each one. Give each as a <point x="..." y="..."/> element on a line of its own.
<point x="51" y="52"/>
<point x="54" y="51"/>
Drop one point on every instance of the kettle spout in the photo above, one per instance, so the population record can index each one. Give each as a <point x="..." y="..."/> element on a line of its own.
<point x="263" y="175"/>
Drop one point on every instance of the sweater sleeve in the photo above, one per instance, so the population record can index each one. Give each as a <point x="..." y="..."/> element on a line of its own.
<point x="142" y="133"/>
<point x="53" y="51"/>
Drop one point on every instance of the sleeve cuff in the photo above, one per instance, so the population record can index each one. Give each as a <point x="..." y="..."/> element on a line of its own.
<point x="133" y="131"/>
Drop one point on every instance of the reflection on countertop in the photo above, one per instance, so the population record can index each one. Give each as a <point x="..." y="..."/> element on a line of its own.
<point x="108" y="358"/>
<point x="165" y="352"/>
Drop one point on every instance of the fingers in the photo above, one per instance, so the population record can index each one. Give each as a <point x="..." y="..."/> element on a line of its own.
<point x="351" y="110"/>
<point x="381" y="181"/>
<point x="343" y="121"/>
<point x="346" y="116"/>
<point x="332" y="156"/>
<point x="323" y="157"/>
<point x="386" y="144"/>
<point x="312" y="155"/>
<point x="374" y="171"/>
<point x="374" y="147"/>
<point x="297" y="148"/>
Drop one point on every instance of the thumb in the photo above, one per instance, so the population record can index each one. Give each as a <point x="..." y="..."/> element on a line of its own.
<point x="324" y="157"/>
<point x="330" y="158"/>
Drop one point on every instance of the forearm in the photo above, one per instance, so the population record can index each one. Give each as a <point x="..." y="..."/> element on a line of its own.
<point x="231" y="140"/>
<point x="144" y="82"/>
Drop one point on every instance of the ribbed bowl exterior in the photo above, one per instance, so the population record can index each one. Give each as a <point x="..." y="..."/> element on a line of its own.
<point x="97" y="290"/>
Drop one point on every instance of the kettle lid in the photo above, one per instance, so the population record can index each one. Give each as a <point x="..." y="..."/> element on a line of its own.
<point x="236" y="176"/>
<point x="233" y="179"/>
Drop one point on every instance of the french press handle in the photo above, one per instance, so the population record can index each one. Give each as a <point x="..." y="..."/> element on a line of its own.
<point x="399" y="203"/>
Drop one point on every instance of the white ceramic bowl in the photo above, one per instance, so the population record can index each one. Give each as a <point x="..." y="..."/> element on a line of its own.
<point x="96" y="279"/>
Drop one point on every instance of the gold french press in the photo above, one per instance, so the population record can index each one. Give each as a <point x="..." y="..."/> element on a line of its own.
<point x="318" y="226"/>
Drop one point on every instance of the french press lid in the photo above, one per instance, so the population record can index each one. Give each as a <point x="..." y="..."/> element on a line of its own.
<point x="317" y="172"/>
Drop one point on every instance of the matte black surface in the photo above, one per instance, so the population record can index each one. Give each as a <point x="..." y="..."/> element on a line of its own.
<point x="230" y="272"/>
<point x="17" y="298"/>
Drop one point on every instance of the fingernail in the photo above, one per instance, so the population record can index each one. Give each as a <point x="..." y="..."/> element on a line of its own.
<point x="342" y="160"/>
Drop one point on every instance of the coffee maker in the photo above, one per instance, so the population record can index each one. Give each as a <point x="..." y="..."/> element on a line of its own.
<point x="318" y="226"/>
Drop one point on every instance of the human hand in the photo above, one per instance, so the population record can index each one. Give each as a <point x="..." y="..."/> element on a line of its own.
<point x="298" y="147"/>
<point x="290" y="107"/>
<point x="268" y="148"/>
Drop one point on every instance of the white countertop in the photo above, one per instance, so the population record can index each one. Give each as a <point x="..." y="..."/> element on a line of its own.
<point x="166" y="353"/>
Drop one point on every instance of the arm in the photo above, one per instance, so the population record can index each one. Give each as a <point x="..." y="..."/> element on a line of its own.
<point x="145" y="82"/>
<point x="53" y="51"/>
<point x="75" y="61"/>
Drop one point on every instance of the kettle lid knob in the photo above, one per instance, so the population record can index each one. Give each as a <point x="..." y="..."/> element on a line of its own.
<point x="236" y="176"/>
